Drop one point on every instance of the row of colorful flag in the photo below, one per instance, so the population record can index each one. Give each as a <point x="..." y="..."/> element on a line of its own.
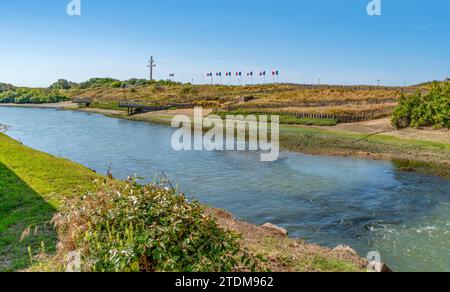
<point x="229" y="74"/>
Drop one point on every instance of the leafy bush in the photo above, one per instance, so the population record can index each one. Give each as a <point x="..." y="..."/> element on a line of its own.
<point x="116" y="84"/>
<point x="8" y="97"/>
<point x="135" y="228"/>
<point x="27" y="95"/>
<point x="164" y="82"/>
<point x="110" y="82"/>
<point x="98" y="82"/>
<point x="421" y="110"/>
<point x="6" y="87"/>
<point x="136" y="82"/>
<point x="63" y="84"/>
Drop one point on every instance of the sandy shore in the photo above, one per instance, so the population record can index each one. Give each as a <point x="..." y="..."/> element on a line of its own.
<point x="384" y="127"/>
<point x="60" y="105"/>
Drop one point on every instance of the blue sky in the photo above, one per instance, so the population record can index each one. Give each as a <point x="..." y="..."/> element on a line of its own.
<point x="335" y="41"/>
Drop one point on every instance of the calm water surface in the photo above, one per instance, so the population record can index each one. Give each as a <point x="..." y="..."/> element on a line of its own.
<point x="369" y="205"/>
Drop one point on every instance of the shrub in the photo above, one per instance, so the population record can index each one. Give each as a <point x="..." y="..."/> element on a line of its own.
<point x="6" y="87"/>
<point x="421" y="110"/>
<point x="27" y="95"/>
<point x="136" y="82"/>
<point x="8" y="97"/>
<point x="116" y="84"/>
<point x="135" y="228"/>
<point x="97" y="82"/>
<point x="62" y="84"/>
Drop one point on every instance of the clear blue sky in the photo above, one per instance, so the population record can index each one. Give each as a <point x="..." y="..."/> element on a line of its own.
<point x="335" y="41"/>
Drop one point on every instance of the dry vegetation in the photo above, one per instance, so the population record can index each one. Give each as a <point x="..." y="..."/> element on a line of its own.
<point x="282" y="94"/>
<point x="286" y="99"/>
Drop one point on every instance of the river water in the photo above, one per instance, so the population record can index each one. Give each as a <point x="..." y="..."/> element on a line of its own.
<point x="369" y="205"/>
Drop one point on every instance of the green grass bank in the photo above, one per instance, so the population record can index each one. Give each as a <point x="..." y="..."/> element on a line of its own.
<point x="32" y="184"/>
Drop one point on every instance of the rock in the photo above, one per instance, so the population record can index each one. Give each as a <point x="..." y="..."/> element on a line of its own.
<point x="386" y="269"/>
<point x="378" y="268"/>
<point x="4" y="128"/>
<point x="275" y="228"/>
<point x="372" y="266"/>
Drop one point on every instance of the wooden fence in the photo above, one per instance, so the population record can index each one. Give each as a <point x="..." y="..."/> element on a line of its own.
<point x="353" y="118"/>
<point x="288" y="104"/>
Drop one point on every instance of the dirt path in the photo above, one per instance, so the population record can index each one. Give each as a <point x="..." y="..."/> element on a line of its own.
<point x="107" y="112"/>
<point x="384" y="127"/>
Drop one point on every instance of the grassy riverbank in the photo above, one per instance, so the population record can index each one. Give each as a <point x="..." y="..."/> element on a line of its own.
<point x="409" y="154"/>
<point x="34" y="184"/>
<point x="31" y="187"/>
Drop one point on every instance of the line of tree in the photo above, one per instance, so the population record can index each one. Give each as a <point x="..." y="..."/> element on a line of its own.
<point x="430" y="109"/>
<point x="29" y="95"/>
<point x="108" y="82"/>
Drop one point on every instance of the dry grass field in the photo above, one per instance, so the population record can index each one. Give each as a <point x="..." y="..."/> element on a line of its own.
<point x="361" y="101"/>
